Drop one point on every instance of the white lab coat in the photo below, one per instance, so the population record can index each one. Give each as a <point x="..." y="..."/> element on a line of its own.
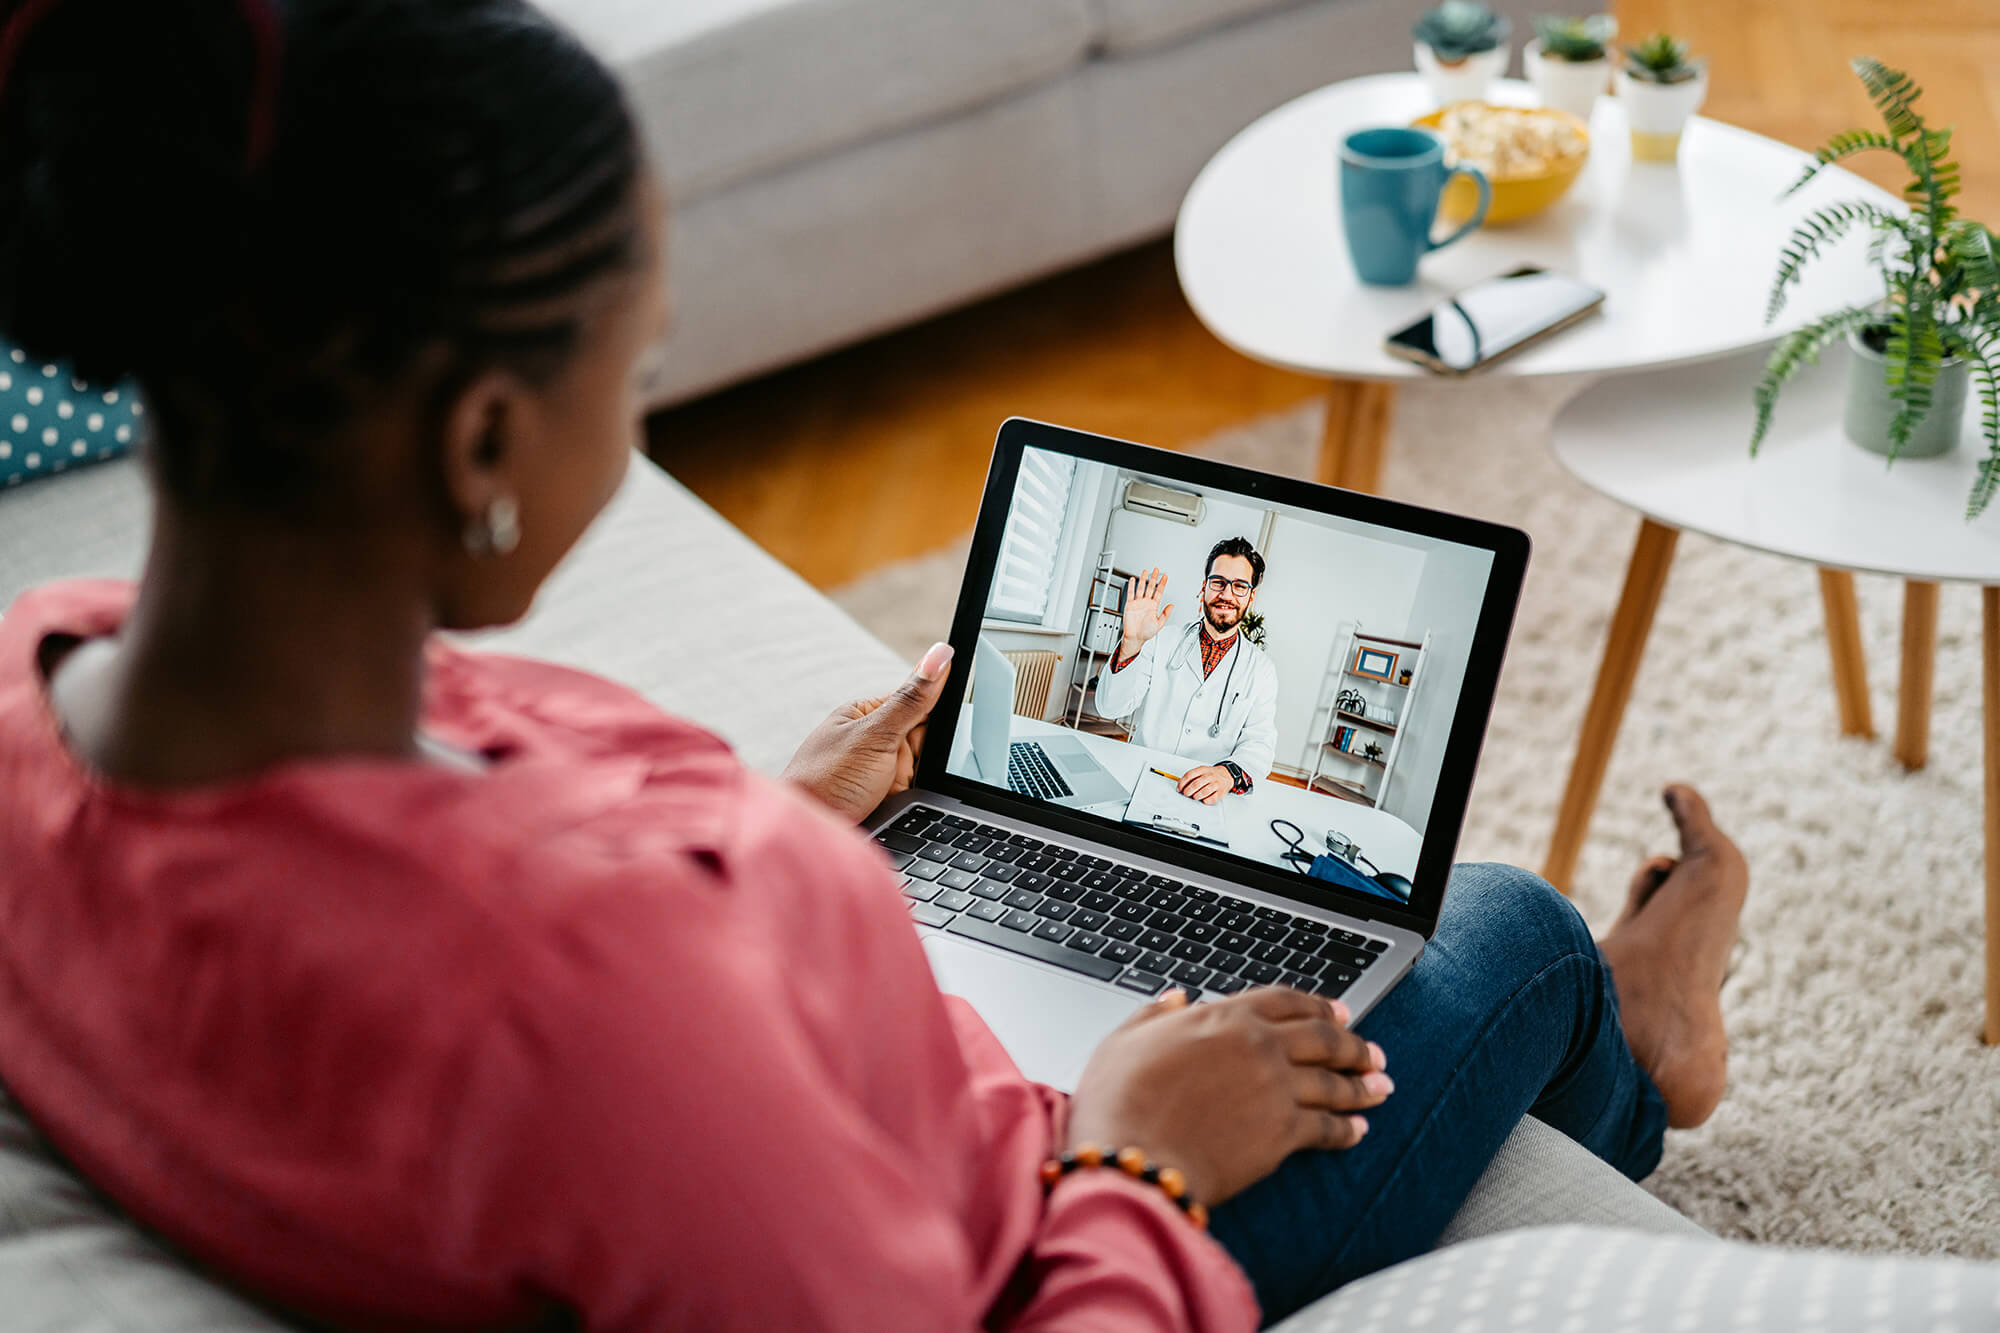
<point x="1168" y="705"/>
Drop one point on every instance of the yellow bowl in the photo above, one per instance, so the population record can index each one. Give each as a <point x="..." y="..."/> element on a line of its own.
<point x="1515" y="198"/>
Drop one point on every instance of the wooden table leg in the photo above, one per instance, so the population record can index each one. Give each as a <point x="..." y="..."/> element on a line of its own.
<point x="1990" y="632"/>
<point x="1645" y="580"/>
<point x="1357" y="431"/>
<point x="1913" y="692"/>
<point x="1843" y="640"/>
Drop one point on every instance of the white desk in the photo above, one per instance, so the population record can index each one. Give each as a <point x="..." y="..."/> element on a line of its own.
<point x="1386" y="841"/>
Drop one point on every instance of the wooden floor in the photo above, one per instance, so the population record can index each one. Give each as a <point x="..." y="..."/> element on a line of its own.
<point x="876" y="453"/>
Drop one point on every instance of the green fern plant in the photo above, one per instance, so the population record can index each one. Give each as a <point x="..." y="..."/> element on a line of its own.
<point x="1940" y="271"/>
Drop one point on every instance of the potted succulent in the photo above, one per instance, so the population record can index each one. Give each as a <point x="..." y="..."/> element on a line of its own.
<point x="1939" y="324"/>
<point x="1661" y="87"/>
<point x="1461" y="47"/>
<point x="1569" y="61"/>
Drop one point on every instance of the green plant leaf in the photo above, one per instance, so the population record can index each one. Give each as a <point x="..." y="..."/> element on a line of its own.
<point x="1822" y="228"/>
<point x="1842" y="146"/>
<point x="1985" y="366"/>
<point x="1794" y="352"/>
<point x="1911" y="362"/>
<point x="1934" y="178"/>
<point x="1894" y="95"/>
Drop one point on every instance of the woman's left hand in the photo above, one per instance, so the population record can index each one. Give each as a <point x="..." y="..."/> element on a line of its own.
<point x="867" y="750"/>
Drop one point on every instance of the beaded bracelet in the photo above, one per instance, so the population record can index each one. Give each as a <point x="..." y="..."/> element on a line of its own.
<point x="1132" y="1161"/>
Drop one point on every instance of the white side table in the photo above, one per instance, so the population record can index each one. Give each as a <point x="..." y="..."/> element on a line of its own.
<point x="1684" y="253"/>
<point x="1674" y="446"/>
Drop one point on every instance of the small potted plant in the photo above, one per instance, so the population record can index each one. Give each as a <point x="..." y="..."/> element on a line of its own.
<point x="1661" y="87"/>
<point x="1461" y="49"/>
<point x="1569" y="61"/>
<point x="1939" y="324"/>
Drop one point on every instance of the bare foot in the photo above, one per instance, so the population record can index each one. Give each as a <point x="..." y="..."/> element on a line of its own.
<point x="1669" y="953"/>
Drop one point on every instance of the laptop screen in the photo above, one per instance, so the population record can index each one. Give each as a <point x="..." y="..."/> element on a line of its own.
<point x="1224" y="672"/>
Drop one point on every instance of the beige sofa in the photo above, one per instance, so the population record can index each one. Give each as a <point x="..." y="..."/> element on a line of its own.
<point x="840" y="167"/>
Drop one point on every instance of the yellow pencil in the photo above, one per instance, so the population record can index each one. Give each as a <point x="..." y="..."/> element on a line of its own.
<point x="1171" y="777"/>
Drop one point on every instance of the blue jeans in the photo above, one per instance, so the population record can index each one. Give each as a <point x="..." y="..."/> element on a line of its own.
<point x="1510" y="1011"/>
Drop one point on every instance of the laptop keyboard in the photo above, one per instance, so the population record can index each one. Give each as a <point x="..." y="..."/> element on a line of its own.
<point x="1030" y="773"/>
<point x="1114" y="923"/>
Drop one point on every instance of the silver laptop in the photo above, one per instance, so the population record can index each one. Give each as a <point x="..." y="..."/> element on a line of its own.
<point x="1379" y="631"/>
<point x="1055" y="768"/>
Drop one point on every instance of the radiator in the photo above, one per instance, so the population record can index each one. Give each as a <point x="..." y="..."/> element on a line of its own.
<point x="1034" y="677"/>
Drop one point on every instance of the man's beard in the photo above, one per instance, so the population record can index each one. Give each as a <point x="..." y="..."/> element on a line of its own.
<point x="1215" y="617"/>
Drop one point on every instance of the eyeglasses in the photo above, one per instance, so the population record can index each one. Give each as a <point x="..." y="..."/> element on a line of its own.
<point x="1219" y="584"/>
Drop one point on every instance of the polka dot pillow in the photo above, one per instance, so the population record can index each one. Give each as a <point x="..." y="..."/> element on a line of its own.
<point x="51" y="422"/>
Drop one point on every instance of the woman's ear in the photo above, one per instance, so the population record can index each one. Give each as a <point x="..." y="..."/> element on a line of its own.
<point x="487" y="423"/>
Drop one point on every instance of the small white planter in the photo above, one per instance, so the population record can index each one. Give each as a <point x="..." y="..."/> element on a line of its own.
<point x="1467" y="81"/>
<point x="1567" y="85"/>
<point x="1658" y="112"/>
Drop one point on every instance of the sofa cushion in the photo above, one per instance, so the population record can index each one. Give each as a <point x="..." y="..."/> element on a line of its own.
<point x="51" y="422"/>
<point x="1583" y="1279"/>
<point x="705" y="75"/>
<point x="1134" y="25"/>
<point x="70" y="1264"/>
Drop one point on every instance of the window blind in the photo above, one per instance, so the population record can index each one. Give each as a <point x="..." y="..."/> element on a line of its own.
<point x="1025" y="573"/>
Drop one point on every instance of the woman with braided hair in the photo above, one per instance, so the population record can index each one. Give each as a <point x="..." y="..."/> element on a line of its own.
<point x="407" y="987"/>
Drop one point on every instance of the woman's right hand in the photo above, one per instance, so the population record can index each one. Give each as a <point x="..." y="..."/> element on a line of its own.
<point x="1226" y="1090"/>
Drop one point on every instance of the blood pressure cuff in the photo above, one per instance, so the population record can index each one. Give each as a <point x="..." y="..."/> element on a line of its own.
<point x="1336" y="871"/>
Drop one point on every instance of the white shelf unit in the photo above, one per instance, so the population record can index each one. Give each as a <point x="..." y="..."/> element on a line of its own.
<point x="1102" y="620"/>
<point x="1410" y="653"/>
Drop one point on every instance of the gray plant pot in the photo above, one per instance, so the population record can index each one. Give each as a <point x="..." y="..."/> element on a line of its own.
<point x="1870" y="409"/>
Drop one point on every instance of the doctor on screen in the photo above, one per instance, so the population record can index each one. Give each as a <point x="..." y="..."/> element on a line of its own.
<point x="1202" y="691"/>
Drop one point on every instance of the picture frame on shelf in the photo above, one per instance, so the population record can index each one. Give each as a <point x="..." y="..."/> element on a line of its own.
<point x="1374" y="664"/>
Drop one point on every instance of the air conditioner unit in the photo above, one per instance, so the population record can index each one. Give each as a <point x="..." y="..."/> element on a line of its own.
<point x="1143" y="497"/>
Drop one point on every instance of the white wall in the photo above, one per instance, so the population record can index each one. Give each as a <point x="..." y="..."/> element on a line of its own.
<point x="1446" y="606"/>
<point x="1320" y="579"/>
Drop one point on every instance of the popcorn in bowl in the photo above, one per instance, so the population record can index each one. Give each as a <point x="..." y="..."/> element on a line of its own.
<point x="1532" y="155"/>
<point x="1509" y="142"/>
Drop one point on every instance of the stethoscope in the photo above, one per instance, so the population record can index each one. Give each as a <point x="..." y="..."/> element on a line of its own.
<point x="1301" y="860"/>
<point x="1222" y="700"/>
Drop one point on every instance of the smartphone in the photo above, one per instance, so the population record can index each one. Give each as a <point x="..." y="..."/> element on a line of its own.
<point x="1490" y="319"/>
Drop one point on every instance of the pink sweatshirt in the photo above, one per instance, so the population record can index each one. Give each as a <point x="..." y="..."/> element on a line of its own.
<point x="618" y="1027"/>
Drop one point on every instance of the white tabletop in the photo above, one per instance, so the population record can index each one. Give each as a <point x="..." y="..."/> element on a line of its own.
<point x="1685" y="252"/>
<point x="1386" y="841"/>
<point x="1674" y="446"/>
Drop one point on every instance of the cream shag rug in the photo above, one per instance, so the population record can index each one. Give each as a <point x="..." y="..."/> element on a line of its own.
<point x="1863" y="1112"/>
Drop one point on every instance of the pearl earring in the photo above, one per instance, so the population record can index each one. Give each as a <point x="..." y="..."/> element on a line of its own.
<point x="498" y="532"/>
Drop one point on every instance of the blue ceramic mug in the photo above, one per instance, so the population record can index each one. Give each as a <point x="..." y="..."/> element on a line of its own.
<point x="1390" y="180"/>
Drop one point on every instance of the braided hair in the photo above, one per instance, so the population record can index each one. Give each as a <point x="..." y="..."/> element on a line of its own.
<point x="263" y="210"/>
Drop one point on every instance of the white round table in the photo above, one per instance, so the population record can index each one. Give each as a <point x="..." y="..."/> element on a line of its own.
<point x="1684" y="252"/>
<point x="1673" y="445"/>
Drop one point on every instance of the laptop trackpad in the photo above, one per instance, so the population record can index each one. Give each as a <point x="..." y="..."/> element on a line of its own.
<point x="1049" y="1022"/>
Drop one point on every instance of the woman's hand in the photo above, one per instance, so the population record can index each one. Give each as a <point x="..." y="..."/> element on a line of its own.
<point x="1226" y="1090"/>
<point x="868" y="749"/>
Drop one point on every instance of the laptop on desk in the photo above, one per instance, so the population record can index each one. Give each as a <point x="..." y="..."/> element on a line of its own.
<point x="1058" y="770"/>
<point x="1053" y="915"/>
